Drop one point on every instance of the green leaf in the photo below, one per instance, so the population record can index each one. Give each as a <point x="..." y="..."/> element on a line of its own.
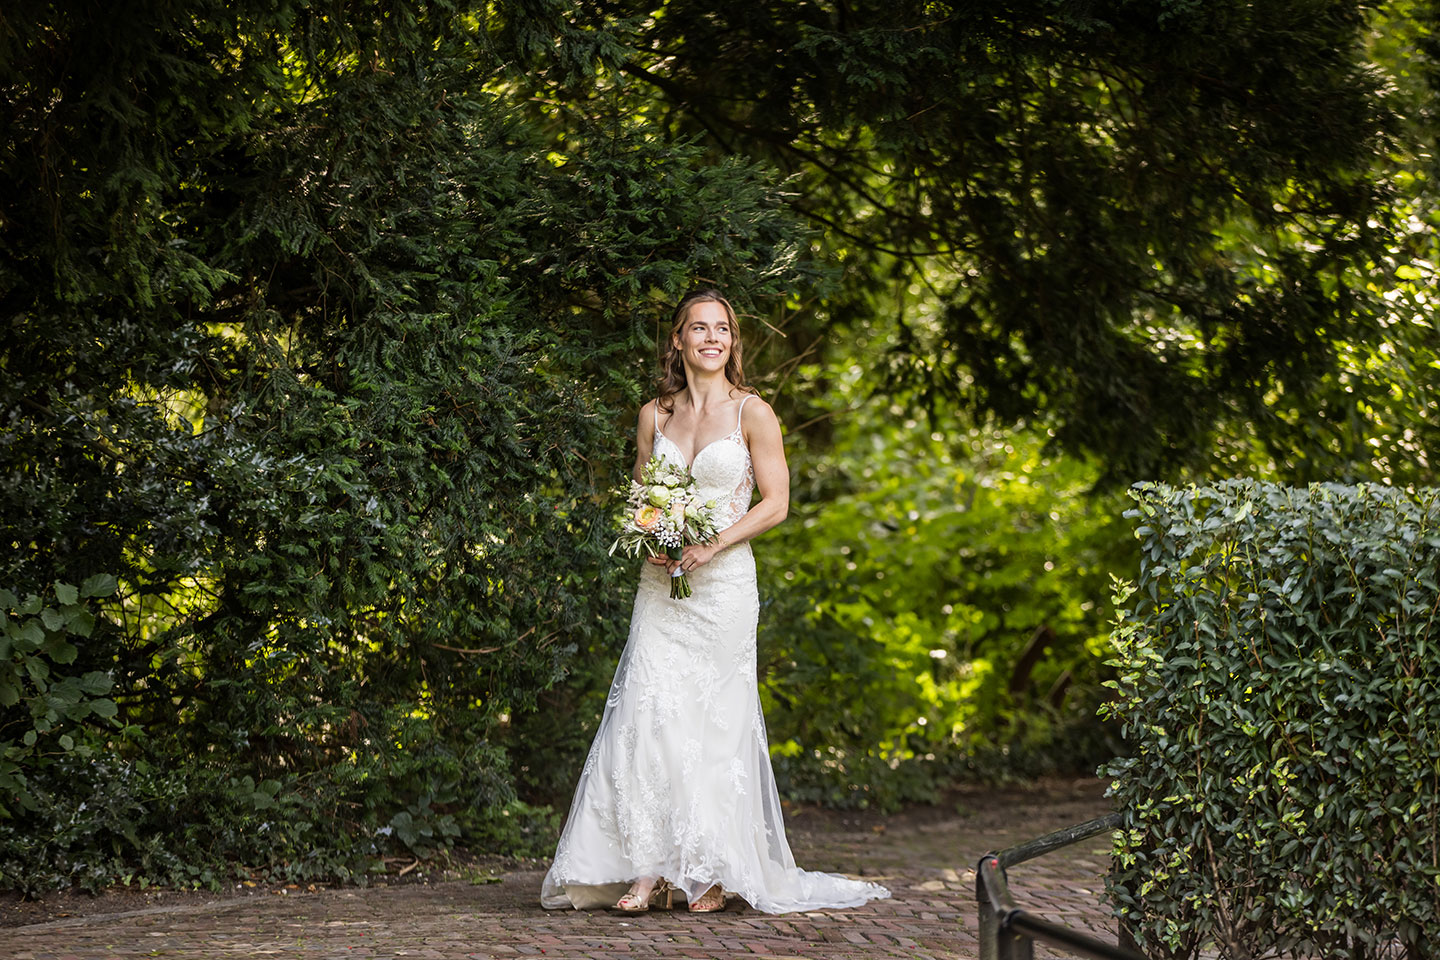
<point x="78" y="620"/>
<point x="26" y="636"/>
<point x="404" y="827"/>
<point x="66" y="593"/>
<point x="100" y="585"/>
<point x="38" y="670"/>
<point x="59" y="649"/>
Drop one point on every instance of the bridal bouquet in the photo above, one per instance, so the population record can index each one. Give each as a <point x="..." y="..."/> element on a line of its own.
<point x="663" y="513"/>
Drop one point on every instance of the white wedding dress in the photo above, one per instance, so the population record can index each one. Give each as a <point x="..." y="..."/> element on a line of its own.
<point x="678" y="781"/>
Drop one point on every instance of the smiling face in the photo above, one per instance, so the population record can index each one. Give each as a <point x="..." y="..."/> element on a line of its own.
<point x="705" y="337"/>
<point x="704" y="340"/>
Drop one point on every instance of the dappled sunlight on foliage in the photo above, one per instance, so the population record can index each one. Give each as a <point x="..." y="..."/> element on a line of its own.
<point x="936" y="600"/>
<point x="325" y="329"/>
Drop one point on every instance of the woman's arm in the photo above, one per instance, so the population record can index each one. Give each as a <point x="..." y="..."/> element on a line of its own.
<point x="644" y="445"/>
<point x="772" y="479"/>
<point x="644" y="438"/>
<point x="772" y="475"/>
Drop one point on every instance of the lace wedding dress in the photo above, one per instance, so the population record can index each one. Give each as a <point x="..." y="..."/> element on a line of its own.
<point x="678" y="781"/>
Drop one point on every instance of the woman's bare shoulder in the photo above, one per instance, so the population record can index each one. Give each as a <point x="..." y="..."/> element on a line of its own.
<point x="756" y="410"/>
<point x="650" y="409"/>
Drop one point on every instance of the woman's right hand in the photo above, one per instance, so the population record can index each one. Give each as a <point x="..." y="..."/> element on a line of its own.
<point x="658" y="561"/>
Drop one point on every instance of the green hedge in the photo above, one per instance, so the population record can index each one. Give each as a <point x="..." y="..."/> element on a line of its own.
<point x="1280" y="694"/>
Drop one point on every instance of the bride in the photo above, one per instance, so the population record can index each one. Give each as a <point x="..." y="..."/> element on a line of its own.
<point x="677" y="796"/>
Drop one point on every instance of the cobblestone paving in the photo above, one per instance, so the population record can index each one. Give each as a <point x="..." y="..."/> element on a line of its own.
<point x="926" y="857"/>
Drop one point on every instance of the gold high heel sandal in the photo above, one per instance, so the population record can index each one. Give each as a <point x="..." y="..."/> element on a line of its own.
<point x="631" y="902"/>
<point x="706" y="903"/>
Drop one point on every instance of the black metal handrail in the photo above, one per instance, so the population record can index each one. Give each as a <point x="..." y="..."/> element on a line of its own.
<point x="1007" y="930"/>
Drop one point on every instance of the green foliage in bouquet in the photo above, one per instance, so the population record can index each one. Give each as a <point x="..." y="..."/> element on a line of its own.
<point x="1279" y="695"/>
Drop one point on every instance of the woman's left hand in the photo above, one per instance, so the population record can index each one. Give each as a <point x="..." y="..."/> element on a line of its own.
<point x="694" y="556"/>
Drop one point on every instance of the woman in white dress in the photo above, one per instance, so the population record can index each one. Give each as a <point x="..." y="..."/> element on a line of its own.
<point x="677" y="795"/>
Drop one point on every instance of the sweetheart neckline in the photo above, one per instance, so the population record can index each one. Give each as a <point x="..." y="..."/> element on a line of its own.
<point x="731" y="436"/>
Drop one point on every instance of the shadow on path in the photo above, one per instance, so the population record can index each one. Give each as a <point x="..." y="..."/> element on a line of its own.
<point x="925" y="855"/>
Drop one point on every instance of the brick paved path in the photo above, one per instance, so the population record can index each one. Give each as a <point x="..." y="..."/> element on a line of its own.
<point x="926" y="857"/>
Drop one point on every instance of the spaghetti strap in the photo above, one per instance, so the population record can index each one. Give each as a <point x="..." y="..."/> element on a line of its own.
<point x="741" y="412"/>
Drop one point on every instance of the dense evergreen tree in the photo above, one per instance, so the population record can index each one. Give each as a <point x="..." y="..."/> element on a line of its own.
<point x="314" y="341"/>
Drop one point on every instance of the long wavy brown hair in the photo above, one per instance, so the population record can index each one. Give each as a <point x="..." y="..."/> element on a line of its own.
<point x="672" y="365"/>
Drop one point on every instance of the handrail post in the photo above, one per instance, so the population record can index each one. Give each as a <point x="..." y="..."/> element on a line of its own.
<point x="989" y="935"/>
<point x="1009" y="932"/>
<point x="1013" y="946"/>
<point x="997" y="941"/>
<point x="989" y="922"/>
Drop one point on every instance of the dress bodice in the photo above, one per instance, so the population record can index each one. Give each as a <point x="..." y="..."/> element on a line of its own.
<point x="722" y="469"/>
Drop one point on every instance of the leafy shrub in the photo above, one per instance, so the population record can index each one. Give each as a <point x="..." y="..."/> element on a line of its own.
<point x="933" y="605"/>
<point x="517" y="828"/>
<point x="44" y="704"/>
<point x="137" y="809"/>
<point x="114" y="819"/>
<point x="1280" y="692"/>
